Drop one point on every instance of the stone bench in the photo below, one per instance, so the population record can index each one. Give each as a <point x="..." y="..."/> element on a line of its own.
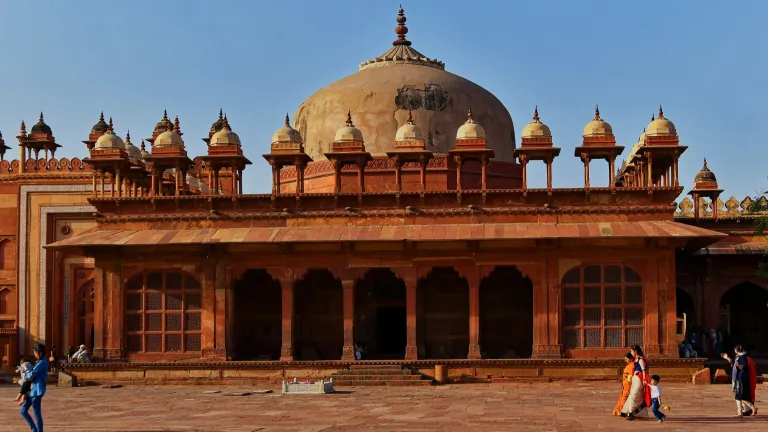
<point x="317" y="387"/>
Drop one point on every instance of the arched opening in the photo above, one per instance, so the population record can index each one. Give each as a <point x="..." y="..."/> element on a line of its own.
<point x="5" y="302"/>
<point x="318" y="314"/>
<point x="506" y="314"/>
<point x="163" y="314"/>
<point x="380" y="321"/>
<point x="84" y="300"/>
<point x="443" y="306"/>
<point x="602" y="307"/>
<point x="746" y="310"/>
<point x="257" y="316"/>
<point x="686" y="314"/>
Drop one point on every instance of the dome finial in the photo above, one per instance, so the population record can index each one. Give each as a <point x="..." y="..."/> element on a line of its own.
<point x="165" y="114"/>
<point x="469" y="116"/>
<point x="536" y="114"/>
<point x="349" y="119"/>
<point x="128" y="136"/>
<point x="143" y="147"/>
<point x="653" y="117"/>
<point x="110" y="129"/>
<point x="23" y="130"/>
<point x="597" y="112"/>
<point x="287" y="120"/>
<point x="176" y="127"/>
<point x="221" y="113"/>
<point x="401" y="30"/>
<point x="41" y="117"/>
<point x="410" y="118"/>
<point x="661" y="112"/>
<point x="705" y="164"/>
<point x="225" y="124"/>
<point x="101" y="117"/>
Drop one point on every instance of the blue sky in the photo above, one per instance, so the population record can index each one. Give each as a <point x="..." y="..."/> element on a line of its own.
<point x="704" y="60"/>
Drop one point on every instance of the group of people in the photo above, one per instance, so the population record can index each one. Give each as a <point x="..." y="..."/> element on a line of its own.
<point x="702" y="343"/>
<point x="640" y="390"/>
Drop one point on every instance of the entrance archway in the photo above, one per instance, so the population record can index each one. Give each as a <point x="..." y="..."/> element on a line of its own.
<point x="443" y="306"/>
<point x="319" y="319"/>
<point x="85" y="314"/>
<point x="506" y="314"/>
<point x="258" y="319"/>
<point x="380" y="320"/>
<point x="685" y="308"/>
<point x="746" y="309"/>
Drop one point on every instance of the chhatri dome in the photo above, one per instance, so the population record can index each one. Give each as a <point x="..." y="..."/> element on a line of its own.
<point x="410" y="131"/>
<point x="386" y="88"/>
<point x="171" y="137"/>
<point x="470" y="129"/>
<point x="661" y="126"/>
<point x="133" y="151"/>
<point x="109" y="140"/>
<point x="287" y="134"/>
<point x="598" y="126"/>
<point x="348" y="132"/>
<point x="536" y="128"/>
<point x="225" y="136"/>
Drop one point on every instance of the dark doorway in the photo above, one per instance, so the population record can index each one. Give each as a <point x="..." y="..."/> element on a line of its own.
<point x="443" y="308"/>
<point x="318" y="314"/>
<point x="380" y="318"/>
<point x="257" y="317"/>
<point x="685" y="309"/>
<point x="506" y="314"/>
<point x="746" y="307"/>
<point x="390" y="332"/>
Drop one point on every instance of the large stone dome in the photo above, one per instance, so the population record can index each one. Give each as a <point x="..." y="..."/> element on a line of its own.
<point x="385" y="89"/>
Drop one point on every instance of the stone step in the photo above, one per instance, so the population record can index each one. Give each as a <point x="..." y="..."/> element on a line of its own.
<point x="376" y="377"/>
<point x="376" y="367"/>
<point x="374" y="372"/>
<point x="347" y="383"/>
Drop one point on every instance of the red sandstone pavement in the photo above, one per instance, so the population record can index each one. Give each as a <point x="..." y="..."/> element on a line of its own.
<point x="570" y="407"/>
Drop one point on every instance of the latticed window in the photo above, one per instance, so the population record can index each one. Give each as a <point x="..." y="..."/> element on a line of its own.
<point x="163" y="313"/>
<point x="602" y="307"/>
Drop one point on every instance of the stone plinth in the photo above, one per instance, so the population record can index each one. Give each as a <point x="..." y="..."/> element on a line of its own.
<point x="319" y="387"/>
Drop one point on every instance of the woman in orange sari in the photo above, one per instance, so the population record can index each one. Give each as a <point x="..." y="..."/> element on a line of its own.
<point x="626" y="383"/>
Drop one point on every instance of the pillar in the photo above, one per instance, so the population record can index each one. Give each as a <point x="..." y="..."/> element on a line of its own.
<point x="286" y="349"/>
<point x="411" y="344"/>
<point x="398" y="174"/>
<point x="651" y="336"/>
<point x="586" y="170"/>
<point x="348" y="296"/>
<point x="361" y="175"/>
<point x="473" y="279"/>
<point x="221" y="304"/>
<point x="457" y="159"/>
<point x="423" y="166"/>
<point x="113" y="349"/>
<point x="484" y="173"/>
<point x="299" y="177"/>
<point x="336" y="176"/>
<point x="524" y="163"/>
<point x="545" y="279"/>
<point x="100" y="284"/>
<point x="549" y="173"/>
<point x="668" y="299"/>
<point x="208" y="337"/>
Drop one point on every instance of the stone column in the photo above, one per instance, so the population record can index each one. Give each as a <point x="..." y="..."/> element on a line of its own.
<point x="100" y="285"/>
<point x="287" y="278"/>
<point x="221" y="304"/>
<point x="348" y="296"/>
<point x="668" y="298"/>
<point x="208" y="337"/>
<point x="473" y="278"/>
<point x="409" y="276"/>
<point x="113" y="349"/>
<point x="652" y="319"/>
<point x="547" y="308"/>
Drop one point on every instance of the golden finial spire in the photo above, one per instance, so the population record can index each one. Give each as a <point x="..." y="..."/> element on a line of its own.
<point x="101" y="117"/>
<point x="221" y="113"/>
<point x="110" y="129"/>
<point x="653" y="117"/>
<point x="349" y="119"/>
<point x="41" y="117"/>
<point x="23" y="130"/>
<point x="287" y="120"/>
<point x="176" y="127"/>
<point x="128" y="137"/>
<point x="410" y="118"/>
<point x="705" y="165"/>
<point x="225" y="123"/>
<point x="597" y="112"/>
<point x="661" y="112"/>
<point x="165" y="114"/>
<point x="536" y="114"/>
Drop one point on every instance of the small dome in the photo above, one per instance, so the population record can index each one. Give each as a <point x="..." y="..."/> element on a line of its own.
<point x="109" y="140"/>
<point x="349" y="132"/>
<point x="598" y="126"/>
<point x="661" y="126"/>
<point x="470" y="129"/>
<point x="164" y="124"/>
<point x="170" y="138"/>
<point x="100" y="126"/>
<point x="144" y="153"/>
<point x="40" y="127"/>
<point x="132" y="150"/>
<point x="705" y="175"/>
<point x="219" y="123"/>
<point x="287" y="134"/>
<point x="225" y="137"/>
<point x="536" y="128"/>
<point x="409" y="131"/>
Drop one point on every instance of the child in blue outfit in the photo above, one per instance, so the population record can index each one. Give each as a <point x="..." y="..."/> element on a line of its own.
<point x="656" y="398"/>
<point x="38" y="376"/>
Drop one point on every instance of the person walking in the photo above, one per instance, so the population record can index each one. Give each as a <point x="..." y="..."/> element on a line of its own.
<point x="39" y="377"/>
<point x="743" y="379"/>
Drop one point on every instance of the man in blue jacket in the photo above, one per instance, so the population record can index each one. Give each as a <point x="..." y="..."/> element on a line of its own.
<point x="39" y="377"/>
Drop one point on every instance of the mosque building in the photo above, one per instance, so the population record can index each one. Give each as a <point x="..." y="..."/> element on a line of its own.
<point x="399" y="228"/>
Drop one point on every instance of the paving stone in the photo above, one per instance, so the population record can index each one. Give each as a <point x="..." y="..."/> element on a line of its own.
<point x="566" y="407"/>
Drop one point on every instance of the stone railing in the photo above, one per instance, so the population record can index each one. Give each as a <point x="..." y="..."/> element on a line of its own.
<point x="40" y="166"/>
<point x="732" y="208"/>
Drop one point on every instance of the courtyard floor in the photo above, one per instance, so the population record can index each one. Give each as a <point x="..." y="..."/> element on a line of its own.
<point x="570" y="407"/>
